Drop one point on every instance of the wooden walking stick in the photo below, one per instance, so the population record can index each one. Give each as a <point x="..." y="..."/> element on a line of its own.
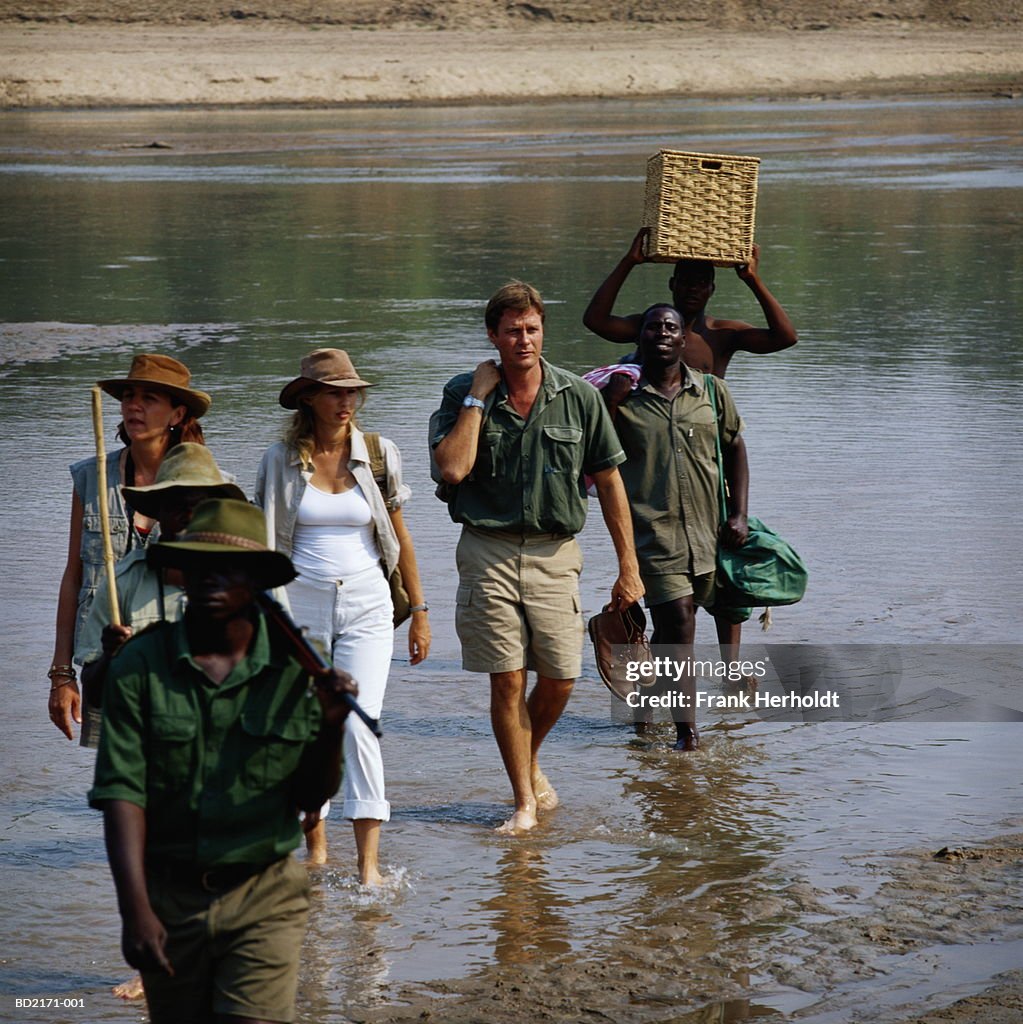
<point x="104" y="509"/>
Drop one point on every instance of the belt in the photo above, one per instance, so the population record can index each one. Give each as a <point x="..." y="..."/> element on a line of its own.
<point x="518" y="536"/>
<point x="221" y="878"/>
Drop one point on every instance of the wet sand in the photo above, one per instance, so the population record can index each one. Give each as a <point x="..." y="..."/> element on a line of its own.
<point x="929" y="900"/>
<point x="231" y="63"/>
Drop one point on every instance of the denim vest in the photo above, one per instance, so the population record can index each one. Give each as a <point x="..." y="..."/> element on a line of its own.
<point x="123" y="535"/>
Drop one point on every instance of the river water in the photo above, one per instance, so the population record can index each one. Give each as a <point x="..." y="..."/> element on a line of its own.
<point x="749" y="880"/>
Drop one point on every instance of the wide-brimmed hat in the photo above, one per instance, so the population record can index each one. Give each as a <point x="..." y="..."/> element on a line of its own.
<point x="150" y="370"/>
<point x="329" y="366"/>
<point x="186" y="465"/>
<point x="224" y="529"/>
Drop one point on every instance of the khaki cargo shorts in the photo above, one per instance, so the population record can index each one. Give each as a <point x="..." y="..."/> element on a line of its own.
<point x="517" y="604"/>
<point x="234" y="953"/>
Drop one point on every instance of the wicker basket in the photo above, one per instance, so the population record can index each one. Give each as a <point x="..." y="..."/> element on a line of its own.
<point x="701" y="206"/>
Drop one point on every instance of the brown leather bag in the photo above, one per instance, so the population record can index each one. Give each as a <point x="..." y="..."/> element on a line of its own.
<point x="619" y="637"/>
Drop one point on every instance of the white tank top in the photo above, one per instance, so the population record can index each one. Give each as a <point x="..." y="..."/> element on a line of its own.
<point x="334" y="535"/>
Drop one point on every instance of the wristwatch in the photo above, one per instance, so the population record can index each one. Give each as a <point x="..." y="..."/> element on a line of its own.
<point x="470" y="402"/>
<point x="424" y="607"/>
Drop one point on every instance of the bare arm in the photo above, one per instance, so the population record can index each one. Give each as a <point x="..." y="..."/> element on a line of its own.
<point x="614" y="505"/>
<point x="456" y="454"/>
<point x="780" y="333"/>
<point x="419" y="628"/>
<point x="598" y="316"/>
<point x="735" y="530"/>
<point x="65" y="702"/>
<point x="143" y="936"/>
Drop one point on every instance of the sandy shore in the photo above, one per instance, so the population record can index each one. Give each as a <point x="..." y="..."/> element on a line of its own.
<point x="232" y="62"/>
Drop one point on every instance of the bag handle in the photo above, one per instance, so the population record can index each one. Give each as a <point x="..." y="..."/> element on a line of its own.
<point x="708" y="383"/>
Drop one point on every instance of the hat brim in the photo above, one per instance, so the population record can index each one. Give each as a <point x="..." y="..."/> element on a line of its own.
<point x="148" y="500"/>
<point x="198" y="402"/>
<point x="290" y="392"/>
<point x="269" y="568"/>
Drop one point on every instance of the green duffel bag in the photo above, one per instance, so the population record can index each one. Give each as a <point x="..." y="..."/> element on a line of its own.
<point x="763" y="573"/>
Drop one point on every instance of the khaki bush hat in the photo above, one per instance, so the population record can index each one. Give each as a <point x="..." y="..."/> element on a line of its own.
<point x="329" y="366"/>
<point x="225" y="530"/>
<point x="149" y="370"/>
<point x="186" y="465"/>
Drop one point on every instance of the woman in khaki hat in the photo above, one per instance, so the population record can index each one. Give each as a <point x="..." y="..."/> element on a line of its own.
<point x="159" y="409"/>
<point x="338" y="517"/>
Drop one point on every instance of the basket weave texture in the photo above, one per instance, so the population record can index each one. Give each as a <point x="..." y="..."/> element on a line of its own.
<point x="701" y="206"/>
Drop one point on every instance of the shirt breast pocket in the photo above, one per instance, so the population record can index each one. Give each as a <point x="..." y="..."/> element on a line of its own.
<point x="276" y="746"/>
<point x="562" y="449"/>
<point x="173" y="750"/>
<point x="489" y="462"/>
<point x="92" y="538"/>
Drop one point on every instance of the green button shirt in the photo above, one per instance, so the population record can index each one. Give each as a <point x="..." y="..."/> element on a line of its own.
<point x="671" y="474"/>
<point x="211" y="764"/>
<point x="528" y="475"/>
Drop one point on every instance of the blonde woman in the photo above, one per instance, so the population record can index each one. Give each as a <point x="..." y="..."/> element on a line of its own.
<point x="159" y="409"/>
<point x="345" y="534"/>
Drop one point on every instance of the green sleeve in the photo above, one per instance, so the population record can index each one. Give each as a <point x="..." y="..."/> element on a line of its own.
<point x="121" y="760"/>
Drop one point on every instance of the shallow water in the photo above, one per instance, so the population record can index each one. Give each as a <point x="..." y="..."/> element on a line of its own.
<point x="886" y="446"/>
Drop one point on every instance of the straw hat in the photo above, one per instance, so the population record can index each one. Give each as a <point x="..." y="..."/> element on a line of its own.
<point x="188" y="466"/>
<point x="329" y="366"/>
<point x="225" y="530"/>
<point x="149" y="370"/>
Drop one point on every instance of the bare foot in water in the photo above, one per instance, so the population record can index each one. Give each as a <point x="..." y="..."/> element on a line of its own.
<point x="316" y="844"/>
<point x="130" y="989"/>
<point x="688" y="738"/>
<point x="520" y="821"/>
<point x="371" y="877"/>
<point x="546" y="795"/>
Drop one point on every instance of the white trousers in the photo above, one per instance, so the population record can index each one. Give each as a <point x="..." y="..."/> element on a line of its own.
<point x="352" y="620"/>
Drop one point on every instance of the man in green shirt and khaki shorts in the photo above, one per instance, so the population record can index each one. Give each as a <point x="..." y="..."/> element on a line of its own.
<point x="512" y="442"/>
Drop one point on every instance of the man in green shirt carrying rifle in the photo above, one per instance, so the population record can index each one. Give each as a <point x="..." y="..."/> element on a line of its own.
<point x="213" y="740"/>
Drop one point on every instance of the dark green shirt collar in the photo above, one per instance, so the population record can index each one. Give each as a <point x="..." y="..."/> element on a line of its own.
<point x="256" y="658"/>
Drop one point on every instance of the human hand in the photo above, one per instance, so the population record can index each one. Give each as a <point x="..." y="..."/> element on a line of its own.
<point x="144" y="942"/>
<point x="419" y="638"/>
<point x="735" y="531"/>
<point x="114" y="638"/>
<point x="627" y="589"/>
<point x="748" y="271"/>
<point x="485" y="378"/>
<point x="65" y="705"/>
<point x="331" y="689"/>
<point x="637" y="251"/>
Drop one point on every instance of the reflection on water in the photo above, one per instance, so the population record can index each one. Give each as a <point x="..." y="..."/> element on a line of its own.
<point x="886" y="446"/>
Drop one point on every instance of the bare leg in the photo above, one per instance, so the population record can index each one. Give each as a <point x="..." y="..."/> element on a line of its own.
<point x="512" y="727"/>
<point x="316" y="843"/>
<point x="675" y="623"/>
<point x="367" y="845"/>
<point x="729" y="638"/>
<point x="545" y="706"/>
